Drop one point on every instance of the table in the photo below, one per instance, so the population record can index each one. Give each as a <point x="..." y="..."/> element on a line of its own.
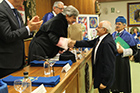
<point x="71" y="82"/>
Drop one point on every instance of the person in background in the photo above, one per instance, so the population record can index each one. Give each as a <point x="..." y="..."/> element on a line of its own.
<point x="137" y="56"/>
<point x="103" y="56"/>
<point x="46" y="41"/>
<point x="12" y="34"/>
<point x="135" y="32"/>
<point x="122" y="70"/>
<point x="58" y="7"/>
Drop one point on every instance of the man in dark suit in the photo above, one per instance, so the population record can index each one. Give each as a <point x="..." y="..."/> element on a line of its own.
<point x="103" y="56"/>
<point x="45" y="42"/>
<point x="12" y="33"/>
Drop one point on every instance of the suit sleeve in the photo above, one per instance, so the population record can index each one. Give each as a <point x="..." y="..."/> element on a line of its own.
<point x="9" y="32"/>
<point x="85" y="43"/>
<point x="56" y="30"/>
<point x="109" y="58"/>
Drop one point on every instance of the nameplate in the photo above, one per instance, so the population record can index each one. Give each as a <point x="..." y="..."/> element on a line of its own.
<point x="40" y="89"/>
<point x="86" y="50"/>
<point x="79" y="56"/>
<point x="66" y="68"/>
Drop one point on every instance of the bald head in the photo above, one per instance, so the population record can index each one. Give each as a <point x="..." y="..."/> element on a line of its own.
<point x="107" y="25"/>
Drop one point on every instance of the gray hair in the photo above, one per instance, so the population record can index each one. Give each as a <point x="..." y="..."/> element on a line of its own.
<point x="107" y="25"/>
<point x="56" y="3"/>
<point x="70" y="11"/>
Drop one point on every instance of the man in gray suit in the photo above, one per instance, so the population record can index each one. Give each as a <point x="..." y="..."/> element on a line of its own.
<point x="12" y="33"/>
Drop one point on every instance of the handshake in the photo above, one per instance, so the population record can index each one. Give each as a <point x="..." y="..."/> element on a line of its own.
<point x="66" y="43"/>
<point x="71" y="43"/>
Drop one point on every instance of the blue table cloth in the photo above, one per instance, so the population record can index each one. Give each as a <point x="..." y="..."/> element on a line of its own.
<point x="37" y="63"/>
<point x="62" y="63"/>
<point x="36" y="81"/>
<point x="3" y="87"/>
<point x="57" y="63"/>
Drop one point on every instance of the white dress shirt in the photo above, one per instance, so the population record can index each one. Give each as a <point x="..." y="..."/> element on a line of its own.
<point x="96" y="47"/>
<point x="12" y="7"/>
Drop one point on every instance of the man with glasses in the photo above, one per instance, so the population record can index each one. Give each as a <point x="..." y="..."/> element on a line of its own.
<point x="122" y="67"/>
<point x="57" y="8"/>
<point x="103" y="56"/>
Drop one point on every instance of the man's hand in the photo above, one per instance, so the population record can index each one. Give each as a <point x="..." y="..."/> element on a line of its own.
<point x="34" y="23"/>
<point x="102" y="86"/>
<point x="120" y="50"/>
<point x="71" y="43"/>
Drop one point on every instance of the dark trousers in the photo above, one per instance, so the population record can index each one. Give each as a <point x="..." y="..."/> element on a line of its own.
<point x="103" y="90"/>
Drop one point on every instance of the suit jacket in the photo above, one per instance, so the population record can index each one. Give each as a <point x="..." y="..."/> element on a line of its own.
<point x="47" y="17"/>
<point x="104" y="67"/>
<point x="11" y="38"/>
<point x="44" y="42"/>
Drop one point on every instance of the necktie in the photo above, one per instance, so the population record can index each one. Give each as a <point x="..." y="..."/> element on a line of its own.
<point x="118" y="34"/>
<point x="17" y="17"/>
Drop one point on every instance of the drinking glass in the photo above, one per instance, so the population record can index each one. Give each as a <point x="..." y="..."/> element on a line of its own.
<point x="20" y="85"/>
<point x="46" y="66"/>
<point x="52" y="62"/>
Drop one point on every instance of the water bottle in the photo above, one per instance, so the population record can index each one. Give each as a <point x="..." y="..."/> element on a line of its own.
<point x="29" y="83"/>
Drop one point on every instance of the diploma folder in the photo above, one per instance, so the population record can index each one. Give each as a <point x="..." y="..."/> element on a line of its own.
<point x="120" y="41"/>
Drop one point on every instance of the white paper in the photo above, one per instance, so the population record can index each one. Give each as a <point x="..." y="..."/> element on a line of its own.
<point x="40" y="89"/>
<point x="66" y="68"/>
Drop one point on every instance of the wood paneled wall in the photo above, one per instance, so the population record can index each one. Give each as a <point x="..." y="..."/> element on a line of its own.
<point x="112" y="0"/>
<point x="84" y="6"/>
<point x="43" y="7"/>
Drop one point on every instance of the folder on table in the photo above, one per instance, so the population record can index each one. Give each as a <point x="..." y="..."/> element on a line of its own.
<point x="120" y="41"/>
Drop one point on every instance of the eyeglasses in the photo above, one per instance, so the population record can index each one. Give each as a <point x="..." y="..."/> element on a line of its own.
<point x="100" y="27"/>
<point x="59" y="8"/>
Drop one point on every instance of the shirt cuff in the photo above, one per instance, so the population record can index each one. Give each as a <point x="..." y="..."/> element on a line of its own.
<point x="63" y="43"/>
<point x="127" y="52"/>
<point x="28" y="30"/>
